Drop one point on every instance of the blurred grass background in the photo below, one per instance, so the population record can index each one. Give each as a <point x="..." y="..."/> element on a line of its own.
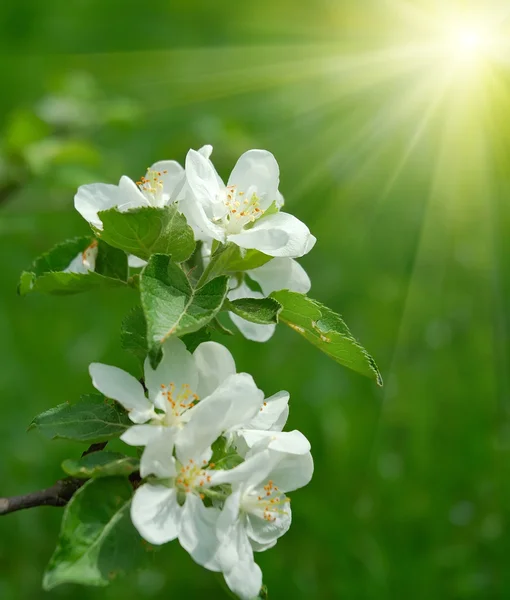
<point x="398" y="166"/>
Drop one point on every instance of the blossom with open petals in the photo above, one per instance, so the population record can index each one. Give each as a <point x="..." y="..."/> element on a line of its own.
<point x="156" y="188"/>
<point x="186" y="394"/>
<point x="256" y="513"/>
<point x="236" y="212"/>
<point x="172" y="508"/>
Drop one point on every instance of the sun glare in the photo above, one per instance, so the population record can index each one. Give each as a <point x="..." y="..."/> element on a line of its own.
<point x="468" y="42"/>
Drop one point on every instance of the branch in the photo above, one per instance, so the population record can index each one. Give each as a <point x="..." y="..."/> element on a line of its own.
<point x="56" y="495"/>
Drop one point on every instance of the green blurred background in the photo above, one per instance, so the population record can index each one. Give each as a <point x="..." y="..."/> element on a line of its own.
<point x="397" y="159"/>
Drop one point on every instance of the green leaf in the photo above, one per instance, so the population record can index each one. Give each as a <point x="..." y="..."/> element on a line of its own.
<point x="47" y="273"/>
<point x="97" y="539"/>
<point x="230" y="259"/>
<point x="101" y="464"/>
<point x="148" y="230"/>
<point x="218" y="326"/>
<point x="257" y="310"/>
<point x="133" y="337"/>
<point x="111" y="262"/>
<point x="193" y="340"/>
<point x="172" y="306"/>
<point x="92" y="419"/>
<point x="326" y="330"/>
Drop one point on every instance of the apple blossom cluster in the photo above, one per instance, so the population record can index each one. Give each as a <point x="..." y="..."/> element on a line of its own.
<point x="246" y="212"/>
<point x="215" y="461"/>
<point x="220" y="515"/>
<point x="210" y="464"/>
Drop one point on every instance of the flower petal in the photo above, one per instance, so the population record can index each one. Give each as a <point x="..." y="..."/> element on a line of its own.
<point x="201" y="177"/>
<point x="77" y="265"/>
<point x="278" y="234"/>
<point x="255" y="332"/>
<point x="94" y="197"/>
<point x="177" y="367"/>
<point x="170" y="179"/>
<point x="156" y="514"/>
<point x="257" y="547"/>
<point x="291" y="471"/>
<point x="244" y="578"/>
<point x="214" y="364"/>
<point x="197" y="534"/>
<point x="290" y="442"/>
<point x="273" y="413"/>
<point x="281" y="274"/>
<point x="157" y="458"/>
<point x="121" y="386"/>
<point x="257" y="169"/>
<point x="268" y="531"/>
<point x="235" y="402"/>
<point x="250" y="473"/>
<point x="251" y="331"/>
<point x="141" y="435"/>
<point x="136" y="263"/>
<point x="130" y="195"/>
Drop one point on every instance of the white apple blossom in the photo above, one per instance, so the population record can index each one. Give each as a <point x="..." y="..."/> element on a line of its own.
<point x="236" y="212"/>
<point x="84" y="261"/>
<point x="172" y="508"/>
<point x="257" y="512"/>
<point x="186" y="393"/>
<point x="154" y="189"/>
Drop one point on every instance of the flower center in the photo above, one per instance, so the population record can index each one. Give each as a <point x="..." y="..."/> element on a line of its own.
<point x="266" y="502"/>
<point x="241" y="208"/>
<point x="191" y="477"/>
<point x="151" y="186"/>
<point x="178" y="403"/>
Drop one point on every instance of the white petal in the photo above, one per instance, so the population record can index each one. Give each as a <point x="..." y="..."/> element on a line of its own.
<point x="84" y="261"/>
<point x="141" y="435"/>
<point x="278" y="234"/>
<point x="273" y="413"/>
<point x="214" y="364"/>
<point x="202" y="178"/>
<point x="266" y="532"/>
<point x="249" y="474"/>
<point x="157" y="458"/>
<point x="91" y="199"/>
<point x="156" y="513"/>
<point x="197" y="533"/>
<point x="77" y="265"/>
<point x="257" y="168"/>
<point x="177" y="367"/>
<point x="255" y="332"/>
<point x="245" y="579"/>
<point x="291" y="471"/>
<point x="235" y="402"/>
<point x="245" y="576"/>
<point x="251" y="331"/>
<point x="257" y="547"/>
<point x="121" y="386"/>
<point x="136" y="263"/>
<point x="130" y="195"/>
<point x="281" y="274"/>
<point x="290" y="442"/>
<point x="206" y="150"/>
<point x="171" y="179"/>
<point x="203" y="228"/>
